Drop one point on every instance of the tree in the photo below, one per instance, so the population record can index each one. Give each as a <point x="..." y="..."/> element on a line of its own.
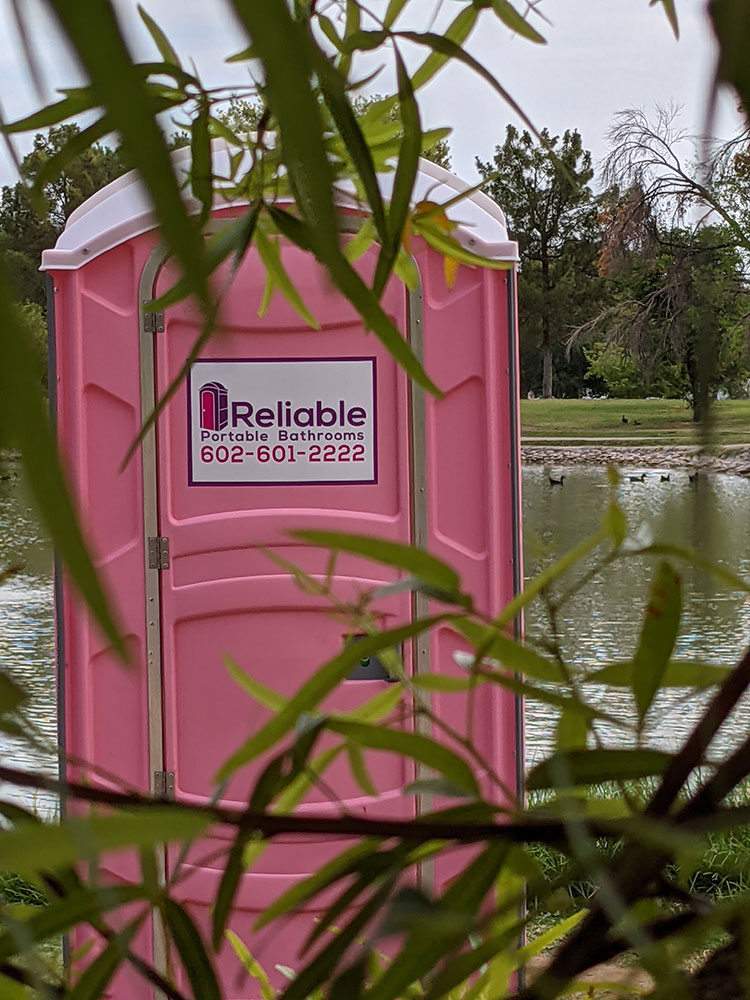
<point x="675" y="251"/>
<point x="30" y="225"/>
<point x="543" y="187"/>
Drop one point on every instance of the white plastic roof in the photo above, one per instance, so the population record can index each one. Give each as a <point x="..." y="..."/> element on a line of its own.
<point x="122" y="210"/>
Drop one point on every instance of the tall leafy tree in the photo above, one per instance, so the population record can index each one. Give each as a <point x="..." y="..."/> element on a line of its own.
<point x="543" y="187"/>
<point x="27" y="227"/>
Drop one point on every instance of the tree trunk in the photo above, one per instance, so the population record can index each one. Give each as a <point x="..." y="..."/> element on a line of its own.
<point x="546" y="331"/>
<point x="546" y="370"/>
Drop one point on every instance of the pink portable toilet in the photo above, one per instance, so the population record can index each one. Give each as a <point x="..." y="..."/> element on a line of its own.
<point x="277" y="426"/>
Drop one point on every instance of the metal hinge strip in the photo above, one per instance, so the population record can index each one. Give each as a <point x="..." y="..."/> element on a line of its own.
<point x="164" y="784"/>
<point x="153" y="322"/>
<point x="158" y="552"/>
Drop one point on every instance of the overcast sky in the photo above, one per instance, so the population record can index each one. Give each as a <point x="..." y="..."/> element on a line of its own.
<point x="602" y="56"/>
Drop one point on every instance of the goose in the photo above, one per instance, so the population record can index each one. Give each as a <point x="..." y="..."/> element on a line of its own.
<point x="665" y="479"/>
<point x="556" y="482"/>
<point x="638" y="479"/>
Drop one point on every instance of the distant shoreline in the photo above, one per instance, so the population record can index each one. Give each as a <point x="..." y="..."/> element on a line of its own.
<point x="731" y="459"/>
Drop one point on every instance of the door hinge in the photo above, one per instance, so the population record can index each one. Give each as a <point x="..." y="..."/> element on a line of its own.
<point x="153" y="322"/>
<point x="164" y="784"/>
<point x="158" y="552"/>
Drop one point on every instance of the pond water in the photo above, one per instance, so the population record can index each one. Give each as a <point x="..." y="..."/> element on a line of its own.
<point x="599" y="625"/>
<point x="603" y="621"/>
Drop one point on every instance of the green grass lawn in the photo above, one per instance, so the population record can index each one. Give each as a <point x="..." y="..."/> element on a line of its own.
<point x="661" y="421"/>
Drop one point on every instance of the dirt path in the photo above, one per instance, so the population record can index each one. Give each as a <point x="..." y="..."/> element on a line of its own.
<point x="624" y="976"/>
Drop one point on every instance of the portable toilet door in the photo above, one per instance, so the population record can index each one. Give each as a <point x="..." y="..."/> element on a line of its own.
<point x="276" y="426"/>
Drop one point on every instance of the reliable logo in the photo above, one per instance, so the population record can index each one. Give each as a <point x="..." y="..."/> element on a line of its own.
<point x="287" y="421"/>
<point x="214" y="406"/>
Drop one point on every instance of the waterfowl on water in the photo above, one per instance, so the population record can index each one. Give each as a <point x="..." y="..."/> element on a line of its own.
<point x="556" y="482"/>
<point x="665" y="479"/>
<point x="694" y="477"/>
<point x="638" y="479"/>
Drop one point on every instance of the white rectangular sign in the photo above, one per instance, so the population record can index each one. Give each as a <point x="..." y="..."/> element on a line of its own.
<point x="308" y="420"/>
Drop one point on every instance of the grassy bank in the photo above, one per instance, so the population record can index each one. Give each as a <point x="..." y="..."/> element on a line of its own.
<point x="650" y="421"/>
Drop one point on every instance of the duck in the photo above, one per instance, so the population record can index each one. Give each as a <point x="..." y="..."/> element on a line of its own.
<point x="636" y="423"/>
<point x="623" y="419"/>
<point x="664" y="479"/>
<point x="693" y="478"/>
<point x="556" y="482"/>
<point x="638" y="479"/>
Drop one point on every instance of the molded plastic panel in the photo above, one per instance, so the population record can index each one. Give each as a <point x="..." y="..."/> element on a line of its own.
<point x="222" y="594"/>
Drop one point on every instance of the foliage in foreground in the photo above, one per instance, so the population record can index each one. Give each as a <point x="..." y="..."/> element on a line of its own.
<point x="319" y="142"/>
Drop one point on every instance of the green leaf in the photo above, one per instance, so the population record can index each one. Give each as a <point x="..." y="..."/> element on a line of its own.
<point x="403" y="184"/>
<point x="263" y="695"/>
<point x="421" y="748"/>
<point x="195" y="960"/>
<point x="283" y="769"/>
<point x="359" y="770"/>
<point x="333" y="88"/>
<point x="661" y="627"/>
<point x="161" y="41"/>
<point x="60" y="915"/>
<point x="511" y="654"/>
<point x="377" y="707"/>
<point x="671" y="11"/>
<point x="97" y="976"/>
<point x="323" y="965"/>
<point x="83" y="99"/>
<point x="616" y="523"/>
<point x="589" y="767"/>
<point x="724" y="575"/>
<point x="349" y="984"/>
<point x="545" y="578"/>
<point x="241" y="234"/>
<point x="436" y="786"/>
<point x="516" y="22"/>
<point x="292" y="796"/>
<point x="250" y="965"/>
<point x="406" y="557"/>
<point x="30" y="849"/>
<point x="351" y="285"/>
<point x="572" y="731"/>
<point x="316" y="688"/>
<point x="450" y="247"/>
<point x="729" y="20"/>
<point x="392" y="11"/>
<point x="24" y="419"/>
<point x="326" y="26"/>
<point x="457" y="32"/>
<point x="92" y="28"/>
<point x="678" y="673"/>
<point x="270" y="254"/>
<point x="332" y="871"/>
<point x="422" y="952"/>
<point x="201" y="167"/>
<point x="12" y="990"/>
<point x="361" y="242"/>
<point x="462" y="966"/>
<point x="285" y="49"/>
<point x="453" y="50"/>
<point x="11" y="695"/>
<point x="512" y="683"/>
<point x="231" y="239"/>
